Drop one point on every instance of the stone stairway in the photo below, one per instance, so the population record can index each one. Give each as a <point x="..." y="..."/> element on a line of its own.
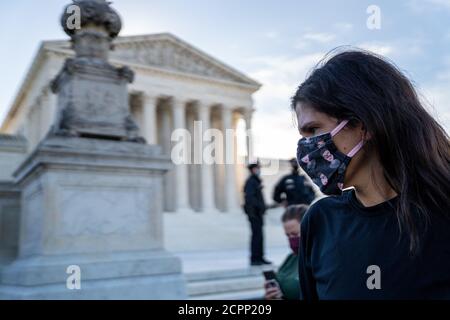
<point x="237" y="284"/>
<point x="214" y="250"/>
<point x="226" y="274"/>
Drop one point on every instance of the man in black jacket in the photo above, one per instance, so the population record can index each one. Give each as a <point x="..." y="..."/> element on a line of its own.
<point x="255" y="208"/>
<point x="293" y="189"/>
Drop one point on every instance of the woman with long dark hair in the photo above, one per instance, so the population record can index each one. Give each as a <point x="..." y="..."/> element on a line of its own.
<point x="387" y="237"/>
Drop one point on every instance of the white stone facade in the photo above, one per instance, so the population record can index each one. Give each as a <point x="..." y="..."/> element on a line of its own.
<point x="175" y="85"/>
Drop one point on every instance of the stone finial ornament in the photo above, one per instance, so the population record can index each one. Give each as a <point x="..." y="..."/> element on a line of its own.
<point x="97" y="24"/>
<point x="96" y="13"/>
<point x="92" y="93"/>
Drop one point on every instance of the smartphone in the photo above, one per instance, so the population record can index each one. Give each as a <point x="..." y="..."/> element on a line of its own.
<point x="270" y="278"/>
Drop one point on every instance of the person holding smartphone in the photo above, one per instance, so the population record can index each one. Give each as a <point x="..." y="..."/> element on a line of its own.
<point x="285" y="283"/>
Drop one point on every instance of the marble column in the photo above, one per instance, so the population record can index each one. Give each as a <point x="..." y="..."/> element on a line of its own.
<point x="47" y="104"/>
<point x="149" y="105"/>
<point x="179" y="121"/>
<point x="207" y="173"/>
<point x="248" y="114"/>
<point x="230" y="173"/>
<point x="36" y="125"/>
<point x="41" y="114"/>
<point x="52" y="104"/>
<point x="165" y="122"/>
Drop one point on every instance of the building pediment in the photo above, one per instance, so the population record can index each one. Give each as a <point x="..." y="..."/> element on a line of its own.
<point x="162" y="52"/>
<point x="165" y="51"/>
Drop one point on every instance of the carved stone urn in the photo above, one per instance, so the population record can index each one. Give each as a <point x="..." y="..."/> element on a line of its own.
<point x="92" y="93"/>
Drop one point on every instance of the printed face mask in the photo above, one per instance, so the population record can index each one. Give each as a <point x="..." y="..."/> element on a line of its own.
<point x="323" y="162"/>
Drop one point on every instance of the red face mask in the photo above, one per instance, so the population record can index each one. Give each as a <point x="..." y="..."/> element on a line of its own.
<point x="294" y="243"/>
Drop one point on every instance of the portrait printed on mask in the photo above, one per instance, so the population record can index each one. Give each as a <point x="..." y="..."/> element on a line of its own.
<point x="323" y="162"/>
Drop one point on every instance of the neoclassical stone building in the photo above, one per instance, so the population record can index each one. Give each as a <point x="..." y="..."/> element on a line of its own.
<point x="175" y="84"/>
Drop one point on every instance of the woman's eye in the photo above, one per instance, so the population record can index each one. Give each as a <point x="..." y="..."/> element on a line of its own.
<point x="309" y="131"/>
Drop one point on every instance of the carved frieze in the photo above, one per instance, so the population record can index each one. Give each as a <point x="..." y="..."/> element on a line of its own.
<point x="167" y="54"/>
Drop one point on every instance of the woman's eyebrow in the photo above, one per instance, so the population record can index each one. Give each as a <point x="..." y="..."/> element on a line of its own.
<point x="308" y="125"/>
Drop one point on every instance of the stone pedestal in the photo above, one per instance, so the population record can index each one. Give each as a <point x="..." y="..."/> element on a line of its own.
<point x="93" y="100"/>
<point x="9" y="221"/>
<point x="12" y="153"/>
<point x="95" y="204"/>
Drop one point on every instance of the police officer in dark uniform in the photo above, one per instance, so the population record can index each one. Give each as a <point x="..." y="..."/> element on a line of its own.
<point x="255" y="208"/>
<point x="292" y="188"/>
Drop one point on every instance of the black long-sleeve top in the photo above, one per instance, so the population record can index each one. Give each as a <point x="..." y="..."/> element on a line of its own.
<point x="347" y="248"/>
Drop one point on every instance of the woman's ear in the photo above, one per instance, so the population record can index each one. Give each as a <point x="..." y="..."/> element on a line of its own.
<point x="365" y="135"/>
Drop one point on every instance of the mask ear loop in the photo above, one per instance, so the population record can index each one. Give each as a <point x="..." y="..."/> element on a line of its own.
<point x="336" y="130"/>
<point x="355" y="149"/>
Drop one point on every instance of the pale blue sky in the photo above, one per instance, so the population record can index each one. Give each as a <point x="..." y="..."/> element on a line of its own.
<point x="275" y="42"/>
